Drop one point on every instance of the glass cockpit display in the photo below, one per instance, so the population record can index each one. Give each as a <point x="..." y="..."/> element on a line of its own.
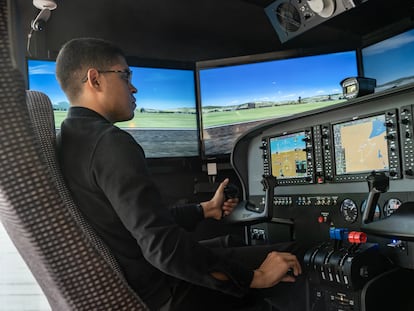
<point x="288" y="155"/>
<point x="360" y="145"/>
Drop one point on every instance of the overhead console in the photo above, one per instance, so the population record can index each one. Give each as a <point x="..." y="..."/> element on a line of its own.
<point x="291" y="18"/>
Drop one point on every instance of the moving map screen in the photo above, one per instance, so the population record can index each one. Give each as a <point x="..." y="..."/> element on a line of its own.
<point x="360" y="146"/>
<point x="288" y="156"/>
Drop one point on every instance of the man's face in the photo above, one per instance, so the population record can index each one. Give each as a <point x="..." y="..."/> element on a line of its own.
<point x="118" y="92"/>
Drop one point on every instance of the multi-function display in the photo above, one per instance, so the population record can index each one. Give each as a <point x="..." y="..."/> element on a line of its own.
<point x="360" y="146"/>
<point x="344" y="151"/>
<point x="288" y="155"/>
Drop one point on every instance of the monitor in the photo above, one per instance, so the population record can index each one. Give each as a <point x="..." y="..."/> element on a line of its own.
<point x="288" y="156"/>
<point x="239" y="97"/>
<point x="165" y="120"/>
<point x="390" y="61"/>
<point x="360" y="146"/>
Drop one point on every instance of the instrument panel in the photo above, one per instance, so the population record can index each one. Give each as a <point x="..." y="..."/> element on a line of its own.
<point x="344" y="151"/>
<point x="320" y="162"/>
<point x="341" y="144"/>
<point x="337" y="174"/>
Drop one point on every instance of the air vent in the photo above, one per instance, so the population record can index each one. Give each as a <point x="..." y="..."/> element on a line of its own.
<point x="292" y="17"/>
<point x="288" y="17"/>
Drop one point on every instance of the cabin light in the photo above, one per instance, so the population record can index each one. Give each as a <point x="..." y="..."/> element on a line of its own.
<point x="45" y="4"/>
<point x="38" y="24"/>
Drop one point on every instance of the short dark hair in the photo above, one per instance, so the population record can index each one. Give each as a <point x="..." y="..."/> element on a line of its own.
<point x="77" y="56"/>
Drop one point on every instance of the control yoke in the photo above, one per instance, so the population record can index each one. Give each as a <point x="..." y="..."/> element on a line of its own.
<point x="249" y="212"/>
<point x="378" y="183"/>
<point x="269" y="183"/>
<point x="231" y="191"/>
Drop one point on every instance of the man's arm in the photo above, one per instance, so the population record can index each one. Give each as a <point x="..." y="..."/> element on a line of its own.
<point x="274" y="269"/>
<point x="218" y="206"/>
<point x="189" y="215"/>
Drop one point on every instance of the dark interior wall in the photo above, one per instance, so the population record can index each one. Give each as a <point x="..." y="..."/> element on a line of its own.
<point x="181" y="30"/>
<point x="193" y="31"/>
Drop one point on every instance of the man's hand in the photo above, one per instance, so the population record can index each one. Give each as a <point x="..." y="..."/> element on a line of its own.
<point x="275" y="268"/>
<point x="218" y="206"/>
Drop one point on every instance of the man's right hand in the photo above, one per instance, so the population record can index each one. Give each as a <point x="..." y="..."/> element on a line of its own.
<point x="275" y="268"/>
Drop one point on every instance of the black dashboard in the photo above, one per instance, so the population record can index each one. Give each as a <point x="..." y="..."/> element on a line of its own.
<point x="340" y="181"/>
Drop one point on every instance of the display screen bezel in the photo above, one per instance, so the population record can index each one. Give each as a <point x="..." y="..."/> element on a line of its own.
<point x="305" y="164"/>
<point x="165" y="121"/>
<point x="340" y="172"/>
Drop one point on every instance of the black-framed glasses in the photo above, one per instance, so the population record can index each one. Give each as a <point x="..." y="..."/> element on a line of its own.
<point x="125" y="74"/>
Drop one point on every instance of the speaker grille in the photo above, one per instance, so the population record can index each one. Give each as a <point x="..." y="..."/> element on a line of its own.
<point x="288" y="17"/>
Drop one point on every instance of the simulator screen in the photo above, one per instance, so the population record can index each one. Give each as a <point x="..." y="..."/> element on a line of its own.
<point x="237" y="98"/>
<point x="165" y="120"/>
<point x="390" y="61"/>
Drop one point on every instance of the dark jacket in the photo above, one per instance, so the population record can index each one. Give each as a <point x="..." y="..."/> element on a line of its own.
<point x="106" y="171"/>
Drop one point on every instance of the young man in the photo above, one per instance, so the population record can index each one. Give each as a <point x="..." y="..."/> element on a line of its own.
<point x="106" y="171"/>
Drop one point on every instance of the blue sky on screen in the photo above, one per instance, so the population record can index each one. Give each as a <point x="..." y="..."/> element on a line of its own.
<point x="157" y="88"/>
<point x="288" y="143"/>
<point x="164" y="88"/>
<point x="395" y="56"/>
<point x="42" y="78"/>
<point x="277" y="80"/>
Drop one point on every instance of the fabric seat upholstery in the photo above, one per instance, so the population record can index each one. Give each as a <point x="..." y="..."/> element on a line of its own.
<point x="72" y="266"/>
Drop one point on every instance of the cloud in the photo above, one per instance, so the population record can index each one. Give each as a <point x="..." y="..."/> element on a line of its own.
<point x="42" y="70"/>
<point x="390" y="44"/>
<point x="290" y="96"/>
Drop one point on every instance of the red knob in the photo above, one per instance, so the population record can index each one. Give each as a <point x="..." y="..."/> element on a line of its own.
<point x="357" y="237"/>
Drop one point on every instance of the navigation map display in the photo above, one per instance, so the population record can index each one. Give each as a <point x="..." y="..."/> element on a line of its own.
<point x="360" y="145"/>
<point x="288" y="155"/>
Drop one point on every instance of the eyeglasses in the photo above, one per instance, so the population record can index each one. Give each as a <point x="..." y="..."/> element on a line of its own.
<point x="125" y="75"/>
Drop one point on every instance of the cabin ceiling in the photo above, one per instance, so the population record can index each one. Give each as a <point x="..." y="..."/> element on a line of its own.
<point x="199" y="30"/>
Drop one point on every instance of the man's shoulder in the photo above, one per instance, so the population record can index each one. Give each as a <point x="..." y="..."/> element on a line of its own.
<point x="114" y="132"/>
<point x="93" y="132"/>
<point x="115" y="137"/>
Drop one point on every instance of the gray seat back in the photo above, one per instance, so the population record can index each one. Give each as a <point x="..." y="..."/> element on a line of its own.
<point x="72" y="266"/>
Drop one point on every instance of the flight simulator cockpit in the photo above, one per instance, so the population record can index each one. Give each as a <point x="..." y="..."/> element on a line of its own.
<point x="338" y="180"/>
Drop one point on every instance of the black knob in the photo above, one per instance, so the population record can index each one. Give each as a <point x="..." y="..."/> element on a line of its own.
<point x="231" y="191"/>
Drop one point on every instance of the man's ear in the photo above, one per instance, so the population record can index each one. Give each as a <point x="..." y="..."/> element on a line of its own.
<point x="93" y="77"/>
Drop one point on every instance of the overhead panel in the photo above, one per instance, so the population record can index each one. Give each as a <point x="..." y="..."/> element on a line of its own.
<point x="291" y="18"/>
